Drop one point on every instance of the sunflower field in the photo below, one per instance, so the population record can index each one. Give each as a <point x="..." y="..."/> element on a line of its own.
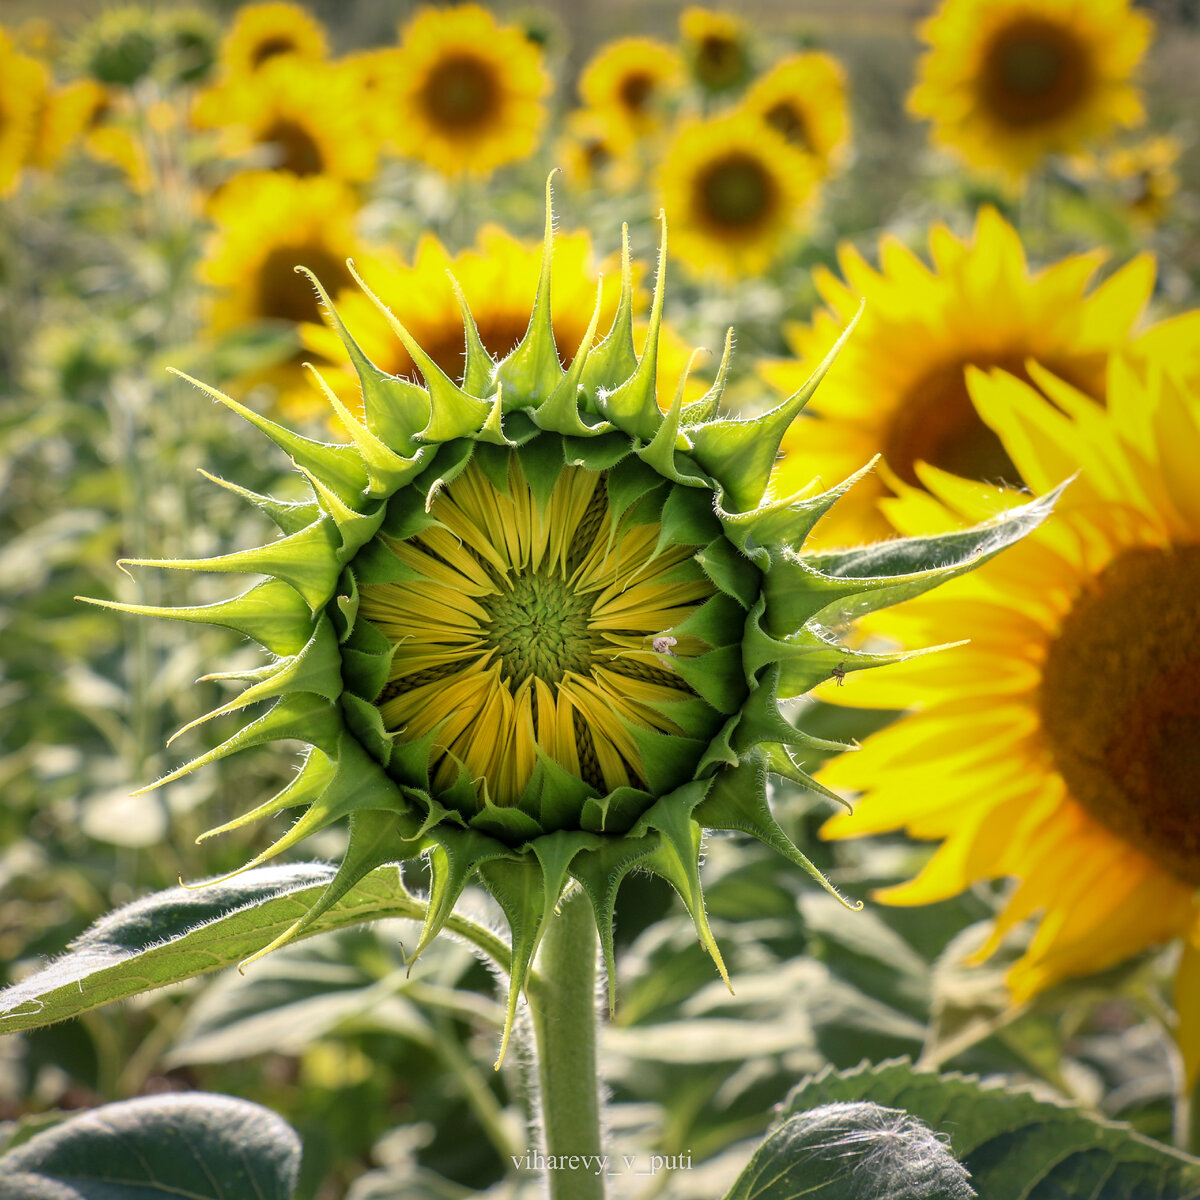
<point x="600" y="600"/>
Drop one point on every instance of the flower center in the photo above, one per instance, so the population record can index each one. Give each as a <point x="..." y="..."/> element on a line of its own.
<point x="460" y="92"/>
<point x="719" y="61"/>
<point x="636" y="90"/>
<point x="285" y="295"/>
<point x="538" y="624"/>
<point x="532" y="627"/>
<point x="735" y="192"/>
<point x="1120" y="703"/>
<point x="790" y="120"/>
<point x="297" y="149"/>
<point x="935" y="422"/>
<point x="270" y="48"/>
<point x="1034" y="71"/>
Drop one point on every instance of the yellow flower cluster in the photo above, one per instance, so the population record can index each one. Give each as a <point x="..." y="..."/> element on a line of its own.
<point x="740" y="158"/>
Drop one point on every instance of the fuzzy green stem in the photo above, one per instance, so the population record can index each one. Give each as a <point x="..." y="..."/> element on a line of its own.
<point x="563" y="1004"/>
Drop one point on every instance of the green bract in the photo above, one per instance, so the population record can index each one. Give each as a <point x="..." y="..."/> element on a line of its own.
<point x="761" y="628"/>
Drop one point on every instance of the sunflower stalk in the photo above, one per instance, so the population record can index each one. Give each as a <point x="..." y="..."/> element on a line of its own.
<point x="563" y="1000"/>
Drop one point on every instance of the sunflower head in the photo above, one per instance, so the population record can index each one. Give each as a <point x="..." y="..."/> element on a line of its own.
<point x="119" y="47"/>
<point x="261" y="33"/>
<point x="717" y="46"/>
<point x="633" y="82"/>
<point x="534" y="629"/>
<point x="738" y="189"/>
<point x="1007" y="82"/>
<point x="804" y="99"/>
<point x="469" y="92"/>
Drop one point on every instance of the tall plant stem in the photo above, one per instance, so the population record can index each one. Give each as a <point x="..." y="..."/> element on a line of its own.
<point x="563" y="1004"/>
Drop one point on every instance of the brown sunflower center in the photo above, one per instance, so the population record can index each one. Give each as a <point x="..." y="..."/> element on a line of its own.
<point x="935" y="421"/>
<point x="286" y="295"/>
<point x="271" y="47"/>
<point x="297" y="149"/>
<point x="790" y="120"/>
<point x="460" y="92"/>
<point x="636" y="91"/>
<point x="720" y="61"/>
<point x="1120" y="703"/>
<point x="1035" y="71"/>
<point x="735" y="192"/>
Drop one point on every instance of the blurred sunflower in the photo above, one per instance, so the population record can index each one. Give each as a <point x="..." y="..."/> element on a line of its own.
<point x="267" y="223"/>
<point x="23" y="85"/>
<point x="804" y="98"/>
<point x="272" y="115"/>
<point x="373" y="77"/>
<point x="470" y="93"/>
<point x="1066" y="735"/>
<point x="632" y="80"/>
<point x="596" y="151"/>
<point x="734" y="190"/>
<point x="1006" y="82"/>
<point x="1145" y="177"/>
<point x="263" y="32"/>
<point x="898" y="385"/>
<point x="717" y="47"/>
<point x="62" y="116"/>
<point x="498" y="277"/>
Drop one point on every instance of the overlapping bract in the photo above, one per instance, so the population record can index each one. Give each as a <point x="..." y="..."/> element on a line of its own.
<point x="771" y="626"/>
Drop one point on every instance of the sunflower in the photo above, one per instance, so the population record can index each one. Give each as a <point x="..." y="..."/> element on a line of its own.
<point x="64" y="114"/>
<point x="498" y="277"/>
<point x="1065" y="734"/>
<point x="271" y="116"/>
<point x="373" y="77"/>
<point x="470" y="93"/>
<point x="267" y="222"/>
<point x="632" y="81"/>
<point x="261" y="33"/>
<point x="717" y="46"/>
<point x="1145" y="177"/>
<point x="1007" y="82"/>
<point x="596" y="151"/>
<point x="898" y="388"/>
<point x="804" y="98"/>
<point x="23" y="86"/>
<point x="734" y="190"/>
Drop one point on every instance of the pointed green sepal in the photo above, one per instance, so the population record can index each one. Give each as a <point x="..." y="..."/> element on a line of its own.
<point x="738" y="801"/>
<point x="677" y="859"/>
<point x="633" y="405"/>
<point x="741" y="454"/>
<point x="395" y="409"/>
<point x="272" y="613"/>
<point x="317" y="668"/>
<point x="315" y="775"/>
<point x="304" y="559"/>
<point x="341" y="467"/>
<point x="290" y="517"/>
<point x="532" y="370"/>
<point x="373" y="842"/>
<point x="614" y="359"/>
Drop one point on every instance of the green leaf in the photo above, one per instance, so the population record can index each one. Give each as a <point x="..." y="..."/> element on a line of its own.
<point x="197" y="1145"/>
<point x="182" y="932"/>
<point x="349" y="981"/>
<point x="852" y="1152"/>
<point x="1016" y="1146"/>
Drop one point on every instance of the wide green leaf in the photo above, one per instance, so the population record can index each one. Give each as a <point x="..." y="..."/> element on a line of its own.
<point x="854" y="1151"/>
<point x="183" y="932"/>
<point x="1015" y="1145"/>
<point x="195" y="1145"/>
